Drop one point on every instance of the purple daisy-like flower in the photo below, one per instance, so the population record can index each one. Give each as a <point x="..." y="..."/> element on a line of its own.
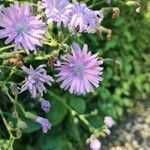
<point x="45" y="105"/>
<point x="44" y="123"/>
<point x="56" y="11"/>
<point x="19" y="25"/>
<point x="80" y="71"/>
<point x="36" y="80"/>
<point x="84" y="19"/>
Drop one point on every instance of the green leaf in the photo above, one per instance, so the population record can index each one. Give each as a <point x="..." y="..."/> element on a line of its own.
<point x="56" y="113"/>
<point x="55" y="141"/>
<point x="78" y="104"/>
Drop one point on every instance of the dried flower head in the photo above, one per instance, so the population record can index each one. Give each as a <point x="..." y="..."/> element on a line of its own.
<point x="36" y="80"/>
<point x="80" y="71"/>
<point x="19" y="25"/>
<point x="115" y="12"/>
<point x="15" y="59"/>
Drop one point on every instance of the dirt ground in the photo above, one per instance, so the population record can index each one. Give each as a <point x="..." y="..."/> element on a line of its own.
<point x="134" y="133"/>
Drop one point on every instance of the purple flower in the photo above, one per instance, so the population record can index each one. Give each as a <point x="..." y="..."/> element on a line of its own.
<point x="95" y="144"/>
<point x="55" y="11"/>
<point x="84" y="18"/>
<point x="36" y="80"/>
<point x="45" y="105"/>
<point x="20" y="26"/>
<point x="44" y="123"/>
<point x="109" y="121"/>
<point x="80" y="71"/>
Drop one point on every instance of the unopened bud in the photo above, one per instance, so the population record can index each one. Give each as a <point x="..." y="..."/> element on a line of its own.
<point x="30" y="116"/>
<point x="132" y="3"/>
<point x="10" y="124"/>
<point x="95" y="144"/>
<point x="14" y="89"/>
<point x="21" y="124"/>
<point x="14" y="114"/>
<point x="19" y="134"/>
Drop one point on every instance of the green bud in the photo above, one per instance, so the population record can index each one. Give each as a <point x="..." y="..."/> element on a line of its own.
<point x="10" y="124"/>
<point x="21" y="124"/>
<point x="19" y="134"/>
<point x="14" y="89"/>
<point x="132" y="3"/>
<point x="15" y="114"/>
<point x="30" y="116"/>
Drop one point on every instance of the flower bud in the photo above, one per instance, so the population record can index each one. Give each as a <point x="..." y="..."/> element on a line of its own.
<point x="95" y="144"/>
<point x="107" y="131"/>
<point x="109" y="121"/>
<point x="45" y="105"/>
<point x="19" y="134"/>
<point x="30" y="116"/>
<point x="132" y="3"/>
<point x="21" y="124"/>
<point x="14" y="89"/>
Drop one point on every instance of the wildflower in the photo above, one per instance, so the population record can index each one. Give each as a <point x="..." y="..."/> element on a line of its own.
<point x="19" y="25"/>
<point x="95" y="144"/>
<point x="44" y="123"/>
<point x="80" y="71"/>
<point x="55" y="11"/>
<point x="45" y="105"/>
<point x="109" y="121"/>
<point x="36" y="80"/>
<point x="84" y="18"/>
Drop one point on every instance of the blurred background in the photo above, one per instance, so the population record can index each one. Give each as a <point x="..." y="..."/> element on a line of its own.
<point x="123" y="94"/>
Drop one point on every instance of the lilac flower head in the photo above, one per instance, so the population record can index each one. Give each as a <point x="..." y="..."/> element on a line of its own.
<point x="55" y="10"/>
<point x="45" y="105"/>
<point x="36" y="80"/>
<point x="44" y="123"/>
<point x="80" y="71"/>
<point x="109" y="121"/>
<point x="19" y="25"/>
<point x="95" y="145"/>
<point x="84" y="18"/>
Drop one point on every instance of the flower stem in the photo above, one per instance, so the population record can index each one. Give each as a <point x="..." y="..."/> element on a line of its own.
<point x="7" y="47"/>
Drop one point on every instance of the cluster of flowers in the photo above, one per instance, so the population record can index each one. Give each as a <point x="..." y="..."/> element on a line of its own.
<point x="79" y="71"/>
<point x="95" y="144"/>
<point x="19" y="25"/>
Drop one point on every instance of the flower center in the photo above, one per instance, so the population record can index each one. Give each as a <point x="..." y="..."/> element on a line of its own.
<point x="79" y="69"/>
<point x="21" y="28"/>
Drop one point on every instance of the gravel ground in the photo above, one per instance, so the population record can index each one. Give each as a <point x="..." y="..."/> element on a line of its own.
<point x="134" y="133"/>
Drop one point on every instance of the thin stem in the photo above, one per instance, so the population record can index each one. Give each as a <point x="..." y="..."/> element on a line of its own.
<point x="6" y="124"/>
<point x="7" y="47"/>
<point x="65" y="41"/>
<point x="94" y="5"/>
